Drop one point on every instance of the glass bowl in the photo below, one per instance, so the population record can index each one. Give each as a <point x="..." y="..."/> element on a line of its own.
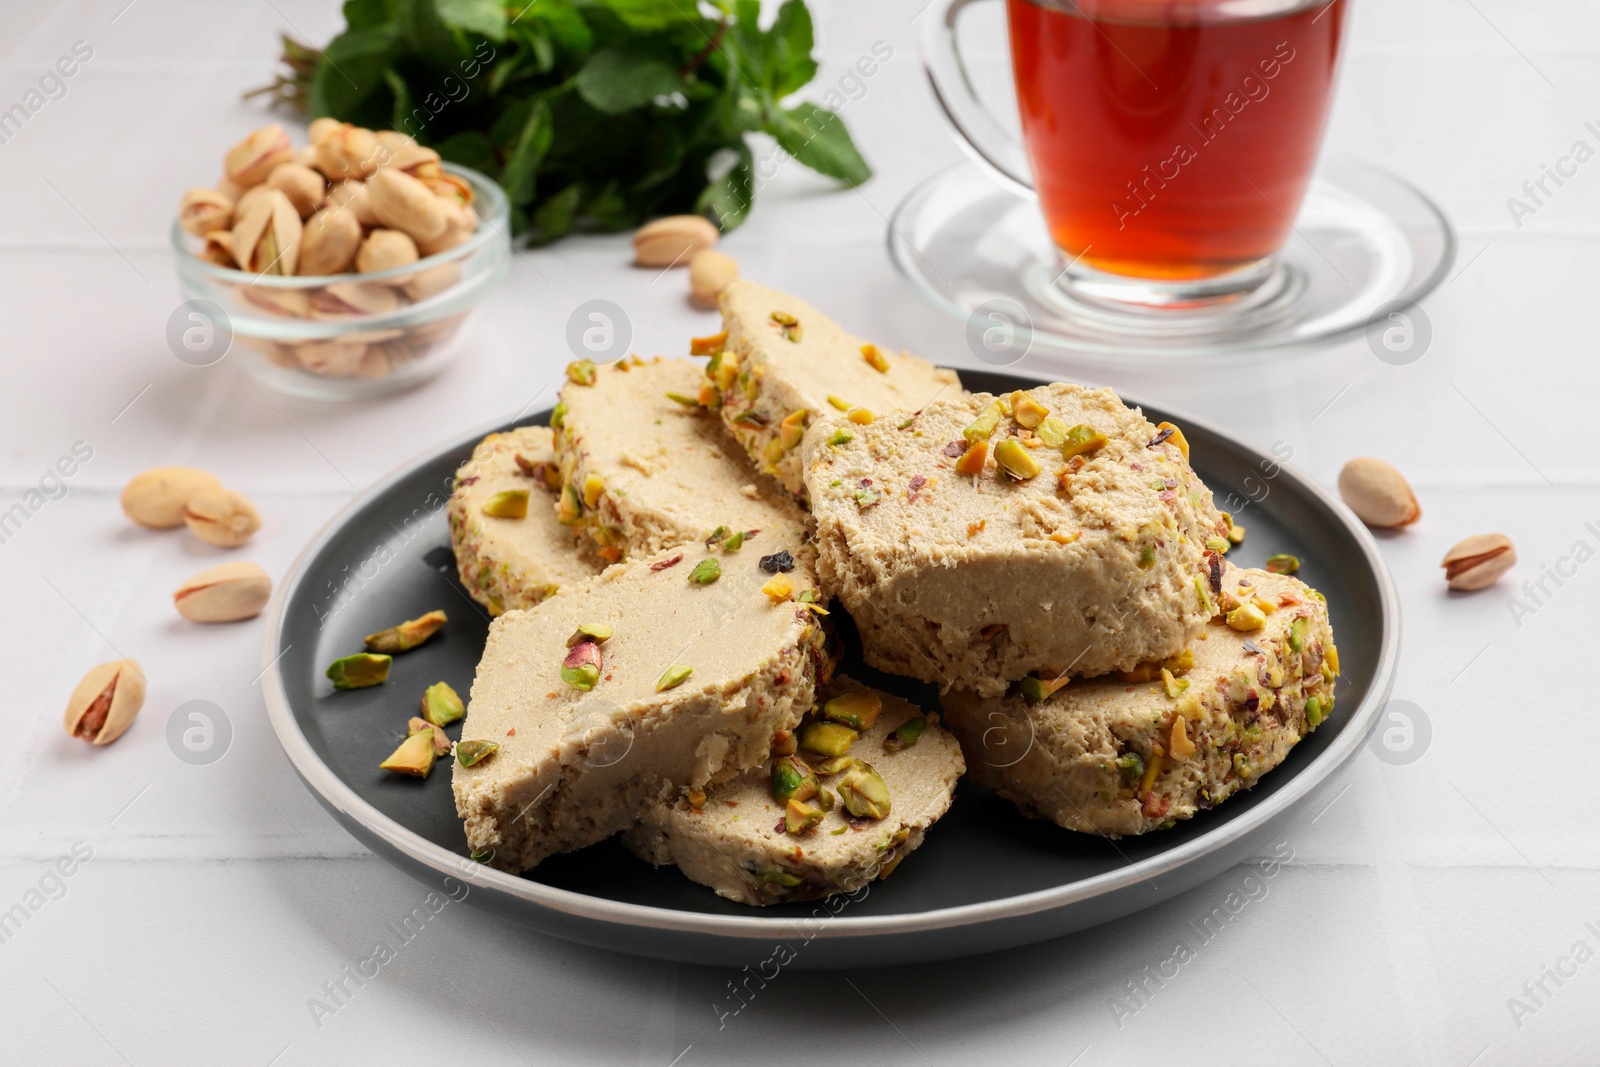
<point x="300" y="335"/>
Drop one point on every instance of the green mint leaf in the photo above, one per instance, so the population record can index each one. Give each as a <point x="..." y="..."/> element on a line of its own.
<point x="556" y="216"/>
<point x="426" y="34"/>
<point x="790" y="43"/>
<point x="609" y="209"/>
<point x="363" y="14"/>
<point x="487" y="18"/>
<point x="560" y="19"/>
<point x="351" y="71"/>
<point x="649" y="14"/>
<point x="469" y="148"/>
<point x="527" y="152"/>
<point x="818" y="138"/>
<point x="400" y="113"/>
<point x="727" y="198"/>
<point x="619" y="78"/>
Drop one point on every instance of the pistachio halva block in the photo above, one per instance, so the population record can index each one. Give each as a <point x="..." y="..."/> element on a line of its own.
<point x="652" y="677"/>
<point x="841" y="802"/>
<point x="1127" y="755"/>
<point x="645" y="468"/>
<point x="511" y="551"/>
<point x="1054" y="530"/>
<point x="783" y="367"/>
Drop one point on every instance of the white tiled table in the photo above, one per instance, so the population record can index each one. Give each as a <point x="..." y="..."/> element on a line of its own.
<point x="220" y="899"/>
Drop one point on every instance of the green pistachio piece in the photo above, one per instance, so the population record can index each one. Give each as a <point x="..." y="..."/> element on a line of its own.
<point x="407" y="635"/>
<point x="414" y="756"/>
<point x="905" y="735"/>
<point x="1132" y="764"/>
<point x="827" y="738"/>
<point x="829" y="767"/>
<point x="982" y="427"/>
<point x="557" y="415"/>
<point x="858" y="710"/>
<point x="734" y="542"/>
<point x="584" y="676"/>
<point x="1314" y="712"/>
<point x="792" y="779"/>
<point x="1013" y="458"/>
<point x="1082" y="440"/>
<point x="863" y="792"/>
<point x="800" y="817"/>
<point x="705" y="572"/>
<point x="1282" y="564"/>
<point x="589" y="631"/>
<point x="1052" y="431"/>
<point x="841" y="437"/>
<point x="359" y="671"/>
<point x="441" y="705"/>
<point x="507" y="504"/>
<point x="1297" y="633"/>
<point x="472" y="753"/>
<point x="672" y="677"/>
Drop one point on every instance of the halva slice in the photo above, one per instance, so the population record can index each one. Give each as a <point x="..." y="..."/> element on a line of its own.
<point x="510" y="550"/>
<point x="646" y="468"/>
<point x="653" y="677"/>
<point x="1115" y="756"/>
<point x="839" y="805"/>
<point x="1053" y="530"/>
<point x="784" y="367"/>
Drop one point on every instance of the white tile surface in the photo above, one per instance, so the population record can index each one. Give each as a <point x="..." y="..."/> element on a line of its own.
<point x="219" y="899"/>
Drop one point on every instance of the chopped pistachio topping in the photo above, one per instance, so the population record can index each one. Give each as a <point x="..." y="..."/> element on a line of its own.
<point x="971" y="461"/>
<point x="860" y="416"/>
<point x="1147" y="556"/>
<point x="842" y="405"/>
<point x="734" y="541"/>
<point x="779" y="588"/>
<point x="583" y="677"/>
<point x="1282" y="564"/>
<point x="1132" y="764"/>
<point x="472" y="753"/>
<point x="1052" y="432"/>
<point x="829" y="767"/>
<point x="1171" y="433"/>
<point x="1314" y="712"/>
<point x="359" y="671"/>
<point x="589" y="631"/>
<point x="772" y="452"/>
<point x="507" y="504"/>
<point x="414" y="756"/>
<point x="686" y="401"/>
<point x="1082" y="440"/>
<point x="672" y="677"/>
<point x="407" y="635"/>
<point x="866" y="497"/>
<point x="863" y="792"/>
<point x="874" y="358"/>
<point x="1035" y="690"/>
<point x="792" y="428"/>
<point x="1027" y="411"/>
<point x="481" y="855"/>
<point x="827" y="738"/>
<point x="1297" y="633"/>
<point x="441" y="705"/>
<point x="982" y="427"/>
<point x="581" y="372"/>
<point x="857" y="710"/>
<point x="1219" y="545"/>
<point x="1246" y="617"/>
<point x="800" y="817"/>
<point x="593" y="486"/>
<point x="905" y="735"/>
<point x="1236" y="534"/>
<point x="705" y="572"/>
<point x="708" y="346"/>
<point x="792" y="779"/>
<point x="841" y="437"/>
<point x="558" y="414"/>
<point x="570" y="509"/>
<point x="716" y="536"/>
<point x="1012" y="458"/>
<point x="1174" y="685"/>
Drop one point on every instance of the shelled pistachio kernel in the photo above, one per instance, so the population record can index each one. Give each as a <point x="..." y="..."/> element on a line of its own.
<point x="673" y="677"/>
<point x="1282" y="563"/>
<point x="857" y="710"/>
<point x="593" y="486"/>
<point x="1035" y="690"/>
<point x="1175" y="436"/>
<point x="972" y="460"/>
<point x="1012" y="458"/>
<point x="860" y="416"/>
<point x="875" y="358"/>
<point x="840" y="437"/>
<point x="800" y="817"/>
<point x="827" y="738"/>
<point x="1246" y="617"/>
<point x="417" y="725"/>
<point x="415" y="756"/>
<point x="570" y="508"/>
<point x="1297" y="634"/>
<point x="788" y="325"/>
<point x="1174" y="685"/>
<point x="863" y="792"/>
<point x="589" y="631"/>
<point x="792" y="779"/>
<point x="705" y="572"/>
<point x="1027" y="411"/>
<point x="1051" y="431"/>
<point x="792" y="428"/>
<point x="581" y="372"/>
<point x="734" y="541"/>
<point x="1082" y="440"/>
<point x="472" y="753"/>
<point x="1314" y="712"/>
<point x="360" y="671"/>
<point x="708" y="346"/>
<point x="581" y="667"/>
<point x="779" y="588"/>
<point x="905" y="735"/>
<point x="441" y="705"/>
<point x="839" y="403"/>
<point x="407" y="635"/>
<point x="982" y="427"/>
<point x="507" y="504"/>
<point x="1219" y="545"/>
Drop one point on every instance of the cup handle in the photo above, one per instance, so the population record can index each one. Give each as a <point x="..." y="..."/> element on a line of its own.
<point x="982" y="136"/>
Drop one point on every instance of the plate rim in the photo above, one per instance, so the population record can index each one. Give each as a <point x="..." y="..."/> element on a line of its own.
<point x="343" y="800"/>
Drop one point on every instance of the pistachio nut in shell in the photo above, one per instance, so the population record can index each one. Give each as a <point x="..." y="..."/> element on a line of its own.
<point x="321" y="129"/>
<point x="353" y="300"/>
<point x="285" y="303"/>
<point x="227" y="592"/>
<point x="353" y="197"/>
<point x="385" y="250"/>
<point x="672" y="240"/>
<point x="329" y="242"/>
<point x="403" y="203"/>
<point x="221" y="517"/>
<point x="106" y="702"/>
<point x="229" y="188"/>
<point x="710" y="272"/>
<point x="218" y="249"/>
<point x="266" y="236"/>
<point x="304" y="187"/>
<point x="1479" y="561"/>
<point x="331" y="359"/>
<point x="451" y="187"/>
<point x="252" y="159"/>
<point x="374" y="363"/>
<point x="156" y="497"/>
<point x="1378" y="494"/>
<point x="461" y="223"/>
<point x="347" y="152"/>
<point x="204" y="210"/>
<point x="432" y="281"/>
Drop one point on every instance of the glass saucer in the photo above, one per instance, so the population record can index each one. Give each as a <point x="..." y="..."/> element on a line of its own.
<point x="1365" y="243"/>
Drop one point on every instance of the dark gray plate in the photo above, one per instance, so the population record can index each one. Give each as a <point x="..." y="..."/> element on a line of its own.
<point x="985" y="879"/>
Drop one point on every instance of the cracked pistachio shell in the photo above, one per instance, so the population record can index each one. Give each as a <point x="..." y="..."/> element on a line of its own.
<point x="347" y="152"/>
<point x="462" y="223"/>
<point x="1479" y="561"/>
<point x="252" y="159"/>
<point x="403" y="203"/>
<point x="451" y="187"/>
<point x="353" y="300"/>
<point x="221" y="517"/>
<point x="225" y="593"/>
<point x="266" y="236"/>
<point x="304" y="187"/>
<point x="396" y="151"/>
<point x="329" y="243"/>
<point x="385" y="250"/>
<point x="156" y="497"/>
<point x="219" y="249"/>
<point x="204" y="210"/>
<point x="106" y="702"/>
